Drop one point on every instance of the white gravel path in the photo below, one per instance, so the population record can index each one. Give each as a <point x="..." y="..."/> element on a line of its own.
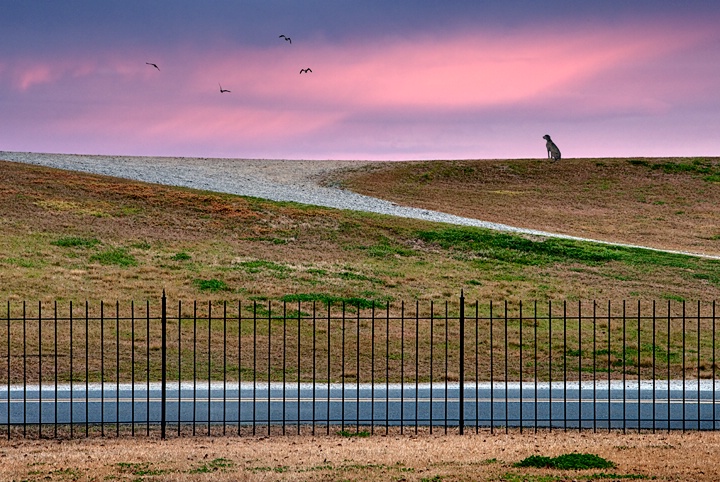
<point x="277" y="180"/>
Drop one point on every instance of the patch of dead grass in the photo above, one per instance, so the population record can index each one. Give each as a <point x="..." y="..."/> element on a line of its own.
<point x="607" y="199"/>
<point x="410" y="457"/>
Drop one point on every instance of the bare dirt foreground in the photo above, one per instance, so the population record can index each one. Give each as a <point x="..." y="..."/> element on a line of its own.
<point x="424" y="457"/>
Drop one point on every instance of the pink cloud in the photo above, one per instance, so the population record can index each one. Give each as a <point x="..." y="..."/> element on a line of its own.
<point x="249" y="124"/>
<point x="476" y="71"/>
<point x="26" y="74"/>
<point x="30" y="75"/>
<point x="468" y="69"/>
<point x="465" y="71"/>
<point x="119" y="100"/>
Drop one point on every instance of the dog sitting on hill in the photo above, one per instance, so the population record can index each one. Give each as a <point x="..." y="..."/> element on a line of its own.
<point x="552" y="149"/>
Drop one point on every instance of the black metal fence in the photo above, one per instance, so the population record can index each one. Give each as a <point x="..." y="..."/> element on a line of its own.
<point x="244" y="367"/>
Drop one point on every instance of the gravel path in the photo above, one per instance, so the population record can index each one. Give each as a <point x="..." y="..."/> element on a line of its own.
<point x="277" y="180"/>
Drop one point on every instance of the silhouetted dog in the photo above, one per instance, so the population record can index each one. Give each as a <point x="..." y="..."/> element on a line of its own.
<point x="553" y="151"/>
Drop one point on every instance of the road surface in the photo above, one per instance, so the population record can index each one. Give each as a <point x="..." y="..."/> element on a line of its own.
<point x="600" y="405"/>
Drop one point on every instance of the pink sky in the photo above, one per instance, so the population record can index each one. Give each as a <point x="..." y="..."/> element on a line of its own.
<point x="638" y="88"/>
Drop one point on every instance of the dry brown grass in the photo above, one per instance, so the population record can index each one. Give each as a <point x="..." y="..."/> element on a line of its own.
<point x="617" y="200"/>
<point x="259" y="251"/>
<point x="174" y="238"/>
<point x="483" y="456"/>
<point x="361" y="346"/>
<point x="264" y="250"/>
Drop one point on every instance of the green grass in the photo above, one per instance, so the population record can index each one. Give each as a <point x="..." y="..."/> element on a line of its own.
<point x="525" y="251"/>
<point x="348" y="275"/>
<point x="258" y="265"/>
<point x="672" y="297"/>
<point x="573" y="461"/>
<point x="212" y="285"/>
<point x="115" y="256"/>
<point x="277" y="469"/>
<point x="140" y="469"/>
<point x="215" y="465"/>
<point x="328" y="299"/>
<point x="144" y="245"/>
<point x="709" y="170"/>
<point x="518" y="249"/>
<point x="181" y="256"/>
<point x="349" y="434"/>
<point x="22" y="262"/>
<point x="67" y="473"/>
<point x="75" y="242"/>
<point x="387" y="248"/>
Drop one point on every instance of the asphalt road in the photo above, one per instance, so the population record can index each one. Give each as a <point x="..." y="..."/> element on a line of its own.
<point x="601" y="405"/>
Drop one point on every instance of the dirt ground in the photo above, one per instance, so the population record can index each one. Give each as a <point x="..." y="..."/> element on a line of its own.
<point x="409" y="457"/>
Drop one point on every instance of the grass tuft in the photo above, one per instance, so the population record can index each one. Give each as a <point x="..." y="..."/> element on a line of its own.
<point x="436" y="478"/>
<point x="328" y="299"/>
<point x="214" y="465"/>
<point x="257" y="265"/>
<point x="385" y="249"/>
<point x="360" y="434"/>
<point x="574" y="461"/>
<point x="115" y="256"/>
<point x="141" y="245"/>
<point x="212" y="285"/>
<point x="75" y="242"/>
<point x="141" y="469"/>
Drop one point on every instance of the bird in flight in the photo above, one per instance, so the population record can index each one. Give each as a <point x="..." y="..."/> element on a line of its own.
<point x="305" y="71"/>
<point x="287" y="39"/>
<point x="222" y="90"/>
<point x="154" y="65"/>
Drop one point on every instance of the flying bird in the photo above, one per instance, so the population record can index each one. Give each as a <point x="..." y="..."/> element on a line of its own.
<point x="154" y="65"/>
<point x="305" y="70"/>
<point x="287" y="39"/>
<point x="222" y="90"/>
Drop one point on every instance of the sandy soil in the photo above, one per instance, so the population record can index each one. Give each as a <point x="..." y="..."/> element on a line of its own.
<point x="483" y="456"/>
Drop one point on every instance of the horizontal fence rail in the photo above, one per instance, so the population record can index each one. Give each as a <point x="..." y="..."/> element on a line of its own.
<point x="272" y="367"/>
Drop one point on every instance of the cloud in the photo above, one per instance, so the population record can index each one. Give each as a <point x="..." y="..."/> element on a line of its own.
<point x="474" y="71"/>
<point x="402" y="93"/>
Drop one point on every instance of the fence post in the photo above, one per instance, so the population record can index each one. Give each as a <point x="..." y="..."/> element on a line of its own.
<point x="163" y="367"/>
<point x="462" y="363"/>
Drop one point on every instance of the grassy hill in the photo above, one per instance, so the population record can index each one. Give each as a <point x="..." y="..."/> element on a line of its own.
<point x="76" y="236"/>
<point x="663" y="203"/>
